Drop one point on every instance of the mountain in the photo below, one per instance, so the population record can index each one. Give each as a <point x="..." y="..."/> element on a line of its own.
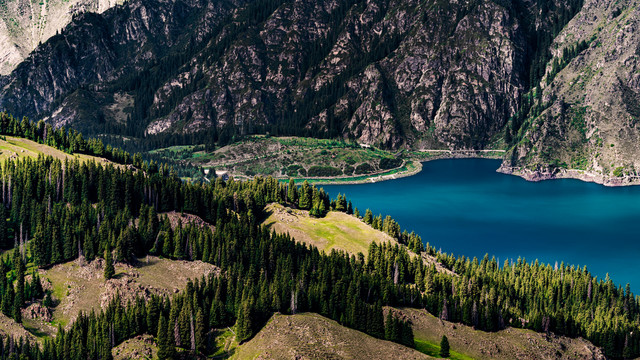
<point x="586" y="124"/>
<point x="25" y="24"/>
<point x="552" y="81"/>
<point x="434" y="74"/>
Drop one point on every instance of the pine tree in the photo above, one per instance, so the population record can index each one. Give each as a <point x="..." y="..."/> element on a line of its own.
<point x="167" y="244"/>
<point x="7" y="301"/>
<point x="244" y="326"/>
<point x="17" y="313"/>
<point x="200" y="331"/>
<point x="388" y="327"/>
<point x="109" y="270"/>
<point x="166" y="349"/>
<point x="444" y="347"/>
<point x="4" y="242"/>
<point x="291" y="192"/>
<point x="305" y="196"/>
<point x="20" y="268"/>
<point x="368" y="217"/>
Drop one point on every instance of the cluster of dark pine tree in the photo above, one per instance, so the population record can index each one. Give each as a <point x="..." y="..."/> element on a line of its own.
<point x="391" y="227"/>
<point x="315" y="200"/>
<point x="565" y="300"/>
<point x="13" y="299"/>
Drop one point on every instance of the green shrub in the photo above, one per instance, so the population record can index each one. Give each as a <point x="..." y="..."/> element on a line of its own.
<point x="618" y="172"/>
<point x="293" y="170"/>
<point x="319" y="171"/>
<point x="363" y="168"/>
<point x="348" y="170"/>
<point x="390" y="163"/>
<point x="350" y="161"/>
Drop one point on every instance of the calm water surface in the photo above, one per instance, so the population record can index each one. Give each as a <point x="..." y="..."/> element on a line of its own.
<point x="465" y="207"/>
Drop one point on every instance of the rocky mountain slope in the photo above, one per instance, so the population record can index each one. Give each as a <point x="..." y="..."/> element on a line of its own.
<point x="587" y="125"/>
<point x="391" y="73"/>
<point x="434" y="74"/>
<point x="25" y="24"/>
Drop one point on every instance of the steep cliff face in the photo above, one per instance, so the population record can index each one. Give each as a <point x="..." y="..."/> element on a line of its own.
<point x="392" y="73"/>
<point x="24" y="24"/>
<point x="73" y="72"/>
<point x="589" y="124"/>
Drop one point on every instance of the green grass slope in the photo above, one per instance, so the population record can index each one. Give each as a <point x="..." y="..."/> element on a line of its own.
<point x="335" y="231"/>
<point x="18" y="148"/>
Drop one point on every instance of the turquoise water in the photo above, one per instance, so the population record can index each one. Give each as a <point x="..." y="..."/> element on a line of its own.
<point x="465" y="207"/>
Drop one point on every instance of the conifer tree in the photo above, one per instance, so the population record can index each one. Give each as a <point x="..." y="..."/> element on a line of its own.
<point x="17" y="314"/>
<point x="368" y="217"/>
<point x="291" y="192"/>
<point x="244" y="326"/>
<point x="388" y="327"/>
<point x="305" y="196"/>
<point x="20" y="269"/>
<point x="200" y="332"/>
<point x="444" y="347"/>
<point x="109" y="270"/>
<point x="166" y="349"/>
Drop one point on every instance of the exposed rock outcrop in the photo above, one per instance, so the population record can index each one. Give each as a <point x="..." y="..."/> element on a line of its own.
<point x="25" y="24"/>
<point x="589" y="128"/>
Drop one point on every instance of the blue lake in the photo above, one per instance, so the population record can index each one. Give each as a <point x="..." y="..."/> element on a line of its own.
<point x="464" y="207"/>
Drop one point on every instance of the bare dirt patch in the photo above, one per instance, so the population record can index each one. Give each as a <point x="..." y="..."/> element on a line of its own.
<point x="174" y="217"/>
<point x="8" y="327"/>
<point x="80" y="286"/>
<point x="139" y="347"/>
<point x="506" y="344"/>
<point x="311" y="336"/>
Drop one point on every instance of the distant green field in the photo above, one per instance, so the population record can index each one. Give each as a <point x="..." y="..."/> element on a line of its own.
<point x="290" y="157"/>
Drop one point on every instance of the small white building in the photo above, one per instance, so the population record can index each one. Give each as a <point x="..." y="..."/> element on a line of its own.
<point x="222" y="174"/>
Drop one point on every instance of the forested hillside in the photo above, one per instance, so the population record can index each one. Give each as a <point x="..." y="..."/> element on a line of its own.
<point x="55" y="212"/>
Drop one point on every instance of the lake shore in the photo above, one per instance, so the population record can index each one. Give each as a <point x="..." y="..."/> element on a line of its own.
<point x="581" y="175"/>
<point x="467" y="208"/>
<point x="413" y="166"/>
